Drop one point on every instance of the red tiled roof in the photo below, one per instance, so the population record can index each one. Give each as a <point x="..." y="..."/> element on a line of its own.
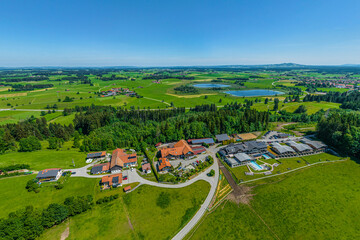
<point x="109" y="178"/>
<point x="198" y="149"/>
<point x="163" y="162"/>
<point x="119" y="158"/>
<point x="146" y="166"/>
<point x="180" y="148"/>
<point x="127" y="188"/>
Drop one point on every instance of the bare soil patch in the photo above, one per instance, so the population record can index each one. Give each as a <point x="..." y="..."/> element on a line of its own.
<point x="66" y="233"/>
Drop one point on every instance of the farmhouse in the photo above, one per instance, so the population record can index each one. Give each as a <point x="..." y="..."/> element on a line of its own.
<point x="181" y="149"/>
<point x="164" y="165"/>
<point x="120" y="160"/>
<point x="100" y="168"/>
<point x="51" y="174"/>
<point x="111" y="180"/>
<point x="96" y="155"/>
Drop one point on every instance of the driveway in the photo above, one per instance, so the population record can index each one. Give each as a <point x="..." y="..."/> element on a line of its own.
<point x="134" y="177"/>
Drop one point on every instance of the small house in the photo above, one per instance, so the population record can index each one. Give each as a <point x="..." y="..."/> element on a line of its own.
<point x="146" y="168"/>
<point x="112" y="180"/>
<point x="100" y="168"/>
<point x="127" y="188"/>
<point x="51" y="174"/>
<point x="164" y="164"/>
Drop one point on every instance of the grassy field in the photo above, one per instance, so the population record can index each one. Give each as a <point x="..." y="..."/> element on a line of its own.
<point x="133" y="215"/>
<point x="46" y="158"/>
<point x="315" y="203"/>
<point x="286" y="165"/>
<point x="137" y="215"/>
<point x="153" y="95"/>
<point x="312" y="107"/>
<point x="14" y="196"/>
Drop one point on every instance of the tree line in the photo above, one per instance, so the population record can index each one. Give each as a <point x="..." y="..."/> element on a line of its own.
<point x="348" y="100"/>
<point x="341" y="129"/>
<point x="30" y="223"/>
<point x="131" y="132"/>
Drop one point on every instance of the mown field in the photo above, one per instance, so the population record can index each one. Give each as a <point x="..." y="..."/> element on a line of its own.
<point x="320" y="202"/>
<point x="46" y="158"/>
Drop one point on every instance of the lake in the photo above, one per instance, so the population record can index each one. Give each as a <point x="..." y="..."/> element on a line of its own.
<point x="254" y="93"/>
<point x="210" y="85"/>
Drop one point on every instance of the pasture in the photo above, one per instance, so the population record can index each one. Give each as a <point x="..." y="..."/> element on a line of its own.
<point x="46" y="158"/>
<point x="320" y="202"/>
<point x="137" y="215"/>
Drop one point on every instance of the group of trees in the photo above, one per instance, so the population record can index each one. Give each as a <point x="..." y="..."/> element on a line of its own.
<point x="29" y="132"/>
<point x="29" y="144"/>
<point x="26" y="79"/>
<point x="27" y="87"/>
<point x="171" y="126"/>
<point x="348" y="100"/>
<point x="186" y="89"/>
<point x="30" y="223"/>
<point x="341" y="129"/>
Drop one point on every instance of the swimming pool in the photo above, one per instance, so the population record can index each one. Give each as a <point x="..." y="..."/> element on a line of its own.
<point x="256" y="166"/>
<point x="266" y="156"/>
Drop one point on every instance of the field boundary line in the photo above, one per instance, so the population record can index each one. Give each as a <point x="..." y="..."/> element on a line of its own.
<point x="276" y="236"/>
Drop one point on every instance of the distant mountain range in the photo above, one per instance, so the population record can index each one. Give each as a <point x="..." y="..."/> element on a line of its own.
<point x="264" y="66"/>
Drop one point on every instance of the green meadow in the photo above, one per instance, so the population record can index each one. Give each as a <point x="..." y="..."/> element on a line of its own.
<point x="319" y="202"/>
<point x="153" y="95"/>
<point x="46" y="158"/>
<point x="136" y="215"/>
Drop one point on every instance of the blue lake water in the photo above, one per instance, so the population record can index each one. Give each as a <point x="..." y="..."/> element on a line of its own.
<point x="254" y="93"/>
<point x="210" y="85"/>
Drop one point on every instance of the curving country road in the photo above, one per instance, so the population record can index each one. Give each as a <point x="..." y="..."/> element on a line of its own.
<point x="133" y="177"/>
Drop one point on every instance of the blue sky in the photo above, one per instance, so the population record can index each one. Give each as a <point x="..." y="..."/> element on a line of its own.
<point x="173" y="33"/>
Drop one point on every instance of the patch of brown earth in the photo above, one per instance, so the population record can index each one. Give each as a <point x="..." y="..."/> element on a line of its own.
<point x="242" y="195"/>
<point x="66" y="233"/>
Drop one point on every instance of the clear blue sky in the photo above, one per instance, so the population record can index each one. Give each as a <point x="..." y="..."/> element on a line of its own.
<point x="171" y="32"/>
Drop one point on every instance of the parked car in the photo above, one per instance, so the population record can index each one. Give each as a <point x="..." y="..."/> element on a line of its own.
<point x="125" y="178"/>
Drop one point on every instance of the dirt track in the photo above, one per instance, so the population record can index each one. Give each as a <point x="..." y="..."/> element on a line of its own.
<point x="240" y="194"/>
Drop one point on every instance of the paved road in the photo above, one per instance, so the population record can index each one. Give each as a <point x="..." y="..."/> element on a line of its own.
<point x="133" y="177"/>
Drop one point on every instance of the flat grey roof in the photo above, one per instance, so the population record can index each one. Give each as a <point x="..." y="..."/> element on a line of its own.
<point x="222" y="137"/>
<point x="232" y="161"/>
<point x="242" y="157"/>
<point x="282" y="148"/>
<point x="299" y="146"/>
<point x="315" y="144"/>
<point x="203" y="140"/>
